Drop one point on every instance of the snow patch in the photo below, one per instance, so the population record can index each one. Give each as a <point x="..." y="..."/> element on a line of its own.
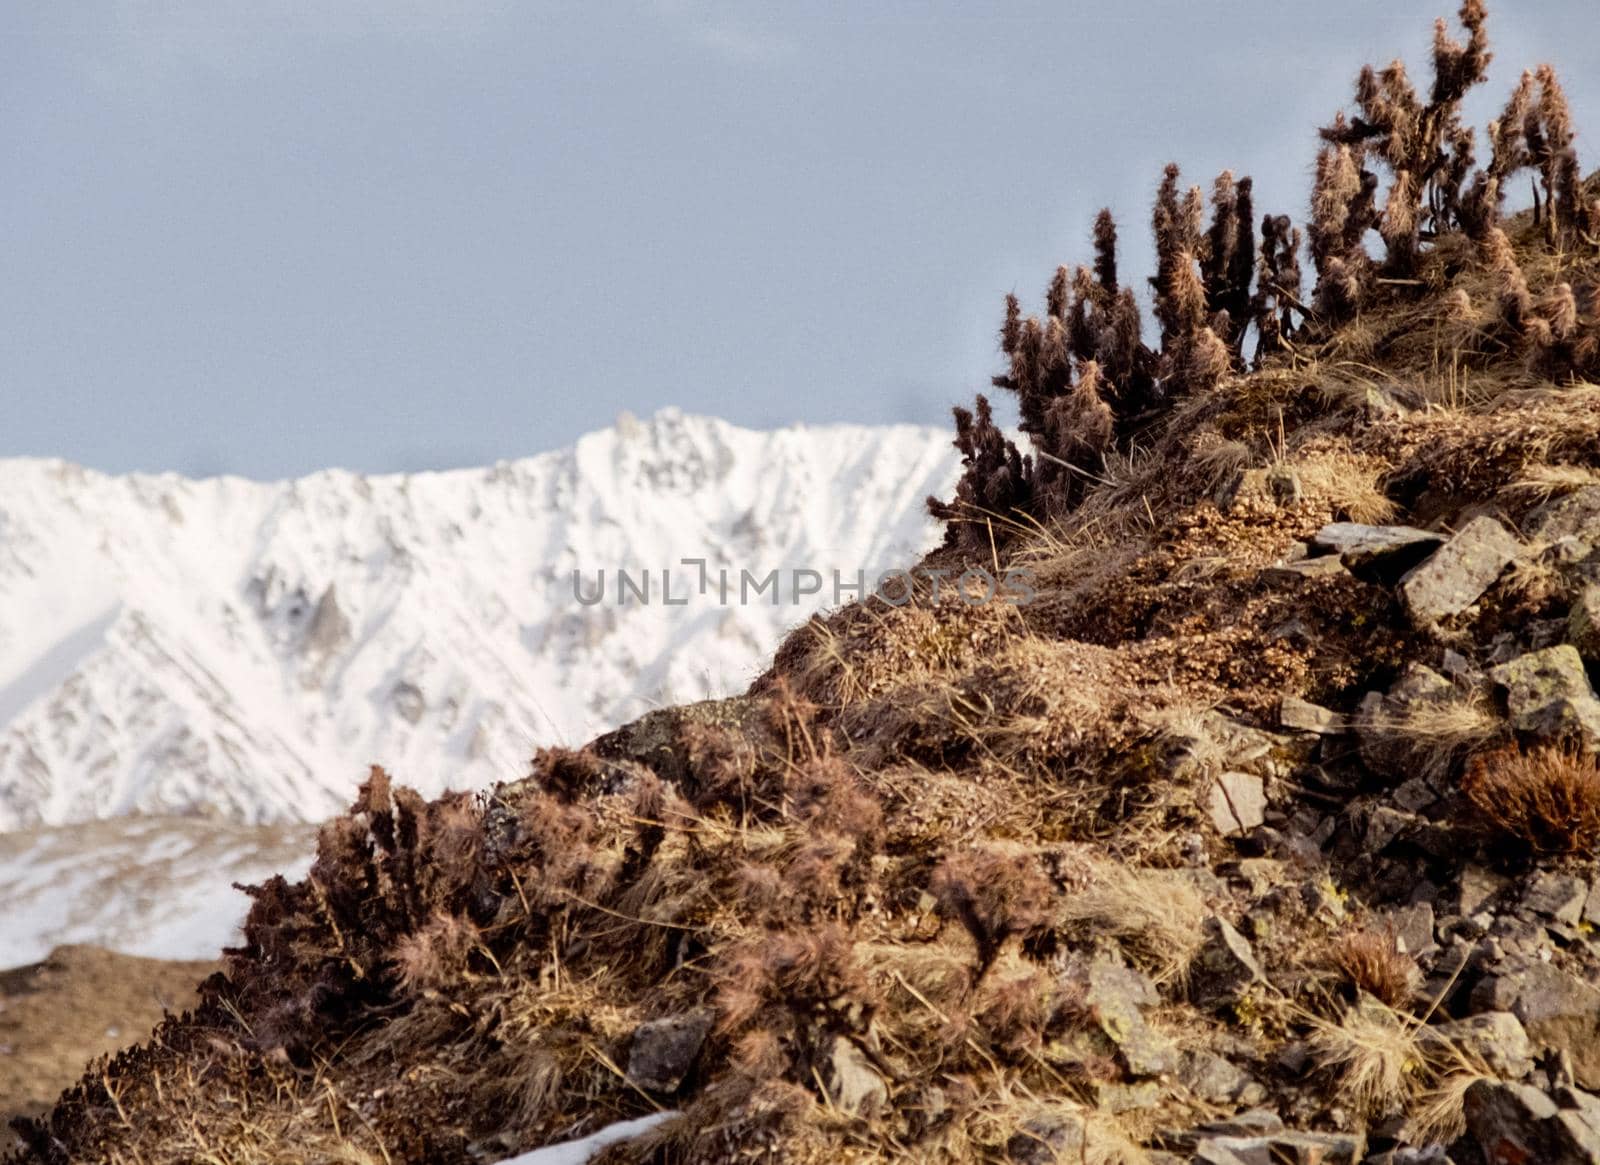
<point x="580" y="1151"/>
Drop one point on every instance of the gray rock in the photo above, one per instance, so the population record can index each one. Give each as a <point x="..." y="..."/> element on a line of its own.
<point x="1304" y="568"/>
<point x="1219" y="1081"/>
<point x="853" y="1084"/>
<point x="1548" y="695"/>
<point x="1381" y="824"/>
<point x="1282" y="1149"/>
<point x="1561" y="1014"/>
<point x="1230" y="1151"/>
<point x="1304" y="716"/>
<point x="1586" y="1103"/>
<point x="1114" y="995"/>
<point x="1509" y="1121"/>
<point x="1321" y="896"/>
<point x="1575" y="516"/>
<point x="1342" y="537"/>
<point x="1583" y="624"/>
<point x="1413" y="929"/>
<point x="664" y="1050"/>
<point x="1498" y="1037"/>
<point x="1415" y="795"/>
<point x="1225" y="967"/>
<point x="1107" y="982"/>
<point x="1376" y="553"/>
<point x="1410" y="1155"/>
<point x="1557" y="896"/>
<point x="1516" y="1123"/>
<point x="1476" y="886"/>
<point x="1591" y="906"/>
<point x="1237" y="803"/>
<point x="1577" y="1137"/>
<point x="1459" y="572"/>
<point x="1256" y="1122"/>
<point x="1051" y="1137"/>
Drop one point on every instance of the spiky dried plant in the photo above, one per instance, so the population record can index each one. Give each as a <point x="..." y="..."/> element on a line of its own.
<point x="1371" y="960"/>
<point x="1105" y="253"/>
<point x="1544" y="801"/>
<point x="996" y="479"/>
<point x="1277" y="285"/>
<point x="1228" y="263"/>
<point x="1567" y="209"/>
<point x="995" y="896"/>
<point x="1426" y="148"/>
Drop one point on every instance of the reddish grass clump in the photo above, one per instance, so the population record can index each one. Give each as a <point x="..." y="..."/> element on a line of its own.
<point x="1546" y="800"/>
<point x="994" y="895"/>
<point x="1372" y="961"/>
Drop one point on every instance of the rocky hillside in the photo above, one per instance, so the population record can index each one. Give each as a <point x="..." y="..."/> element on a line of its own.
<point x="1266" y="831"/>
<point x="244" y="650"/>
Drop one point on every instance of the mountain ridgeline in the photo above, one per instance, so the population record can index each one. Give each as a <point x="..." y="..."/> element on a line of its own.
<point x="245" y="650"/>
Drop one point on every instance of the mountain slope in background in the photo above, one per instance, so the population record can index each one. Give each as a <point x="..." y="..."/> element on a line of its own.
<point x="245" y="650"/>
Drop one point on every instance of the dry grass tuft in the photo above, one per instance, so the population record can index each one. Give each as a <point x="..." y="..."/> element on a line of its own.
<point x="1545" y="800"/>
<point x="1438" y="1115"/>
<point x="1540" y="483"/>
<point x="1373" y="1056"/>
<point x="1156" y="915"/>
<point x="1383" y="1063"/>
<point x="1438" y="734"/>
<point x="1351" y="487"/>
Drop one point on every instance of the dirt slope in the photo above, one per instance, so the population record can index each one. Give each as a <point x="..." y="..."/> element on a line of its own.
<point x="79" y="1004"/>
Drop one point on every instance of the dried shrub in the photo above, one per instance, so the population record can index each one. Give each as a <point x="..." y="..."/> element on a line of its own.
<point x="1087" y="385"/>
<point x="1545" y="801"/>
<point x="569" y="773"/>
<point x="1277" y="285"/>
<point x="995" y="896"/>
<point x="1015" y="1012"/>
<point x="996" y="481"/>
<point x="779" y="977"/>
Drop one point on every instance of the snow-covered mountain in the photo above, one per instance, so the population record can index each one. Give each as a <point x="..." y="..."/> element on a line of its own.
<point x="244" y="650"/>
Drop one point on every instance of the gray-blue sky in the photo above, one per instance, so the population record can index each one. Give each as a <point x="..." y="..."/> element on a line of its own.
<point x="266" y="236"/>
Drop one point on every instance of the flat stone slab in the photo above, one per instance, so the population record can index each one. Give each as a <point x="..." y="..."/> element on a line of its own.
<point x="1238" y="803"/>
<point x="1458" y="573"/>
<point x="1323" y="566"/>
<point x="1304" y="716"/>
<point x="1375" y="553"/>
<point x="1340" y="537"/>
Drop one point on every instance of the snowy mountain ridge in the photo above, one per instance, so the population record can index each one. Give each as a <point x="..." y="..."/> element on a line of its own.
<point x="243" y="650"/>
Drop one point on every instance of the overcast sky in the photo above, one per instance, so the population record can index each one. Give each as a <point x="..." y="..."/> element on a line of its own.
<point x="268" y="236"/>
